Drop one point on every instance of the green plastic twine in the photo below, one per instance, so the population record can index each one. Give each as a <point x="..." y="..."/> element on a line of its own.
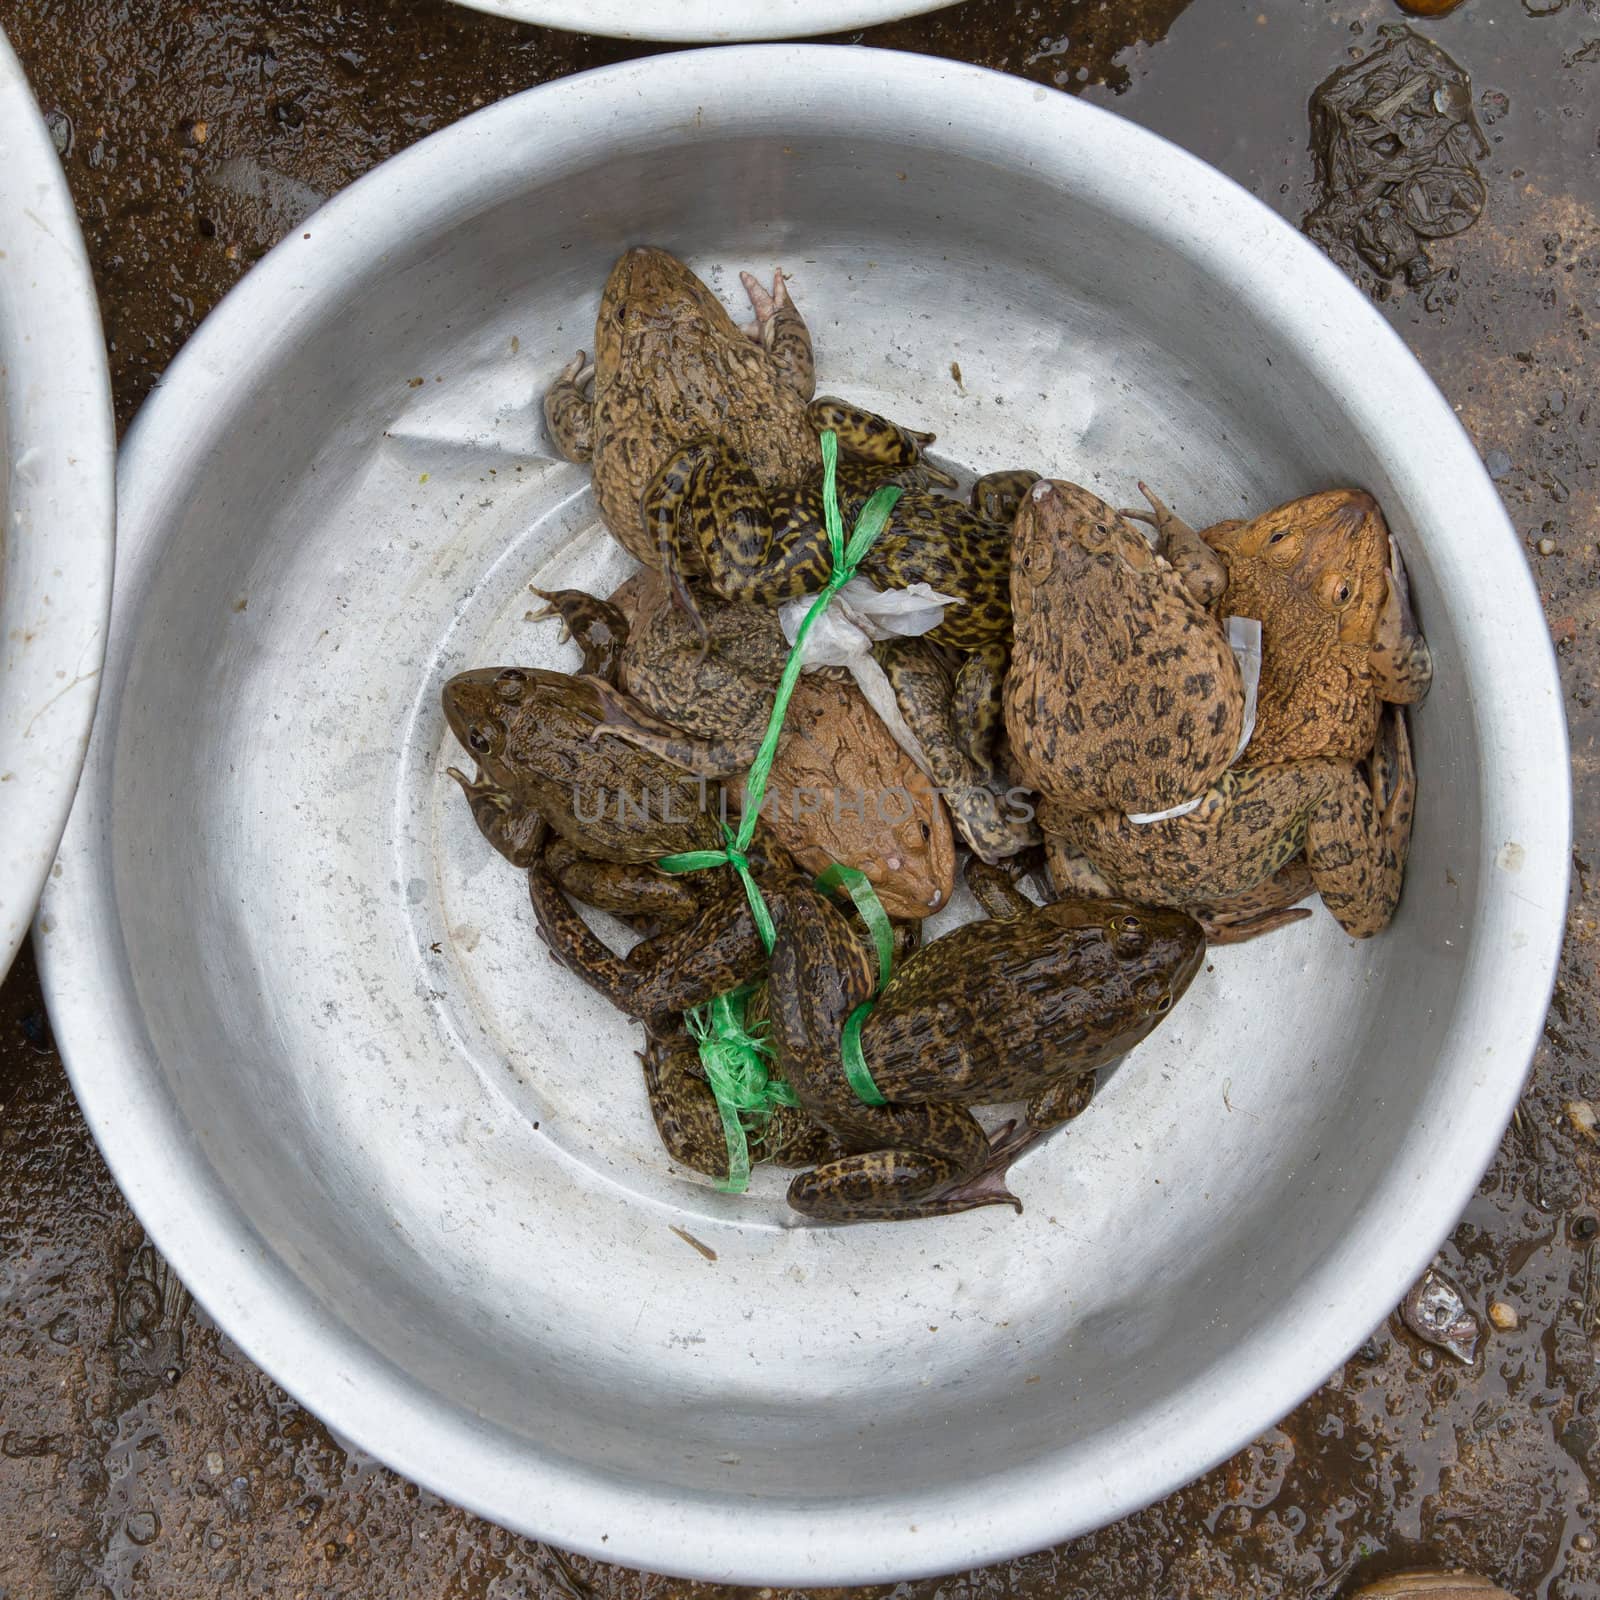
<point x="733" y="1059"/>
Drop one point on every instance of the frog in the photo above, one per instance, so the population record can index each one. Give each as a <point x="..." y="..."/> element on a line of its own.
<point x="996" y="1011"/>
<point x="1352" y="820"/>
<point x="1123" y="693"/>
<point x="671" y="370"/>
<point x="1324" y="577"/>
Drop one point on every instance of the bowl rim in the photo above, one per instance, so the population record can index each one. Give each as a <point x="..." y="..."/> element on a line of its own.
<point x="60" y="437"/>
<point x="704" y="21"/>
<point x="365" y="1398"/>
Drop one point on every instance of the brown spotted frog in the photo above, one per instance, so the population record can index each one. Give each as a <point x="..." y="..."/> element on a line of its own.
<point x="1021" y="1008"/>
<point x="1123" y="693"/>
<point x="1338" y="640"/>
<point x="1351" y="818"/>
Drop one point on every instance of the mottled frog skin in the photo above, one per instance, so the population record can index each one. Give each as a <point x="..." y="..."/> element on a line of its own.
<point x="1122" y="693"/>
<point x="1337" y="635"/>
<point x="1353" y="821"/>
<point x="995" y="1011"/>
<point x="670" y="366"/>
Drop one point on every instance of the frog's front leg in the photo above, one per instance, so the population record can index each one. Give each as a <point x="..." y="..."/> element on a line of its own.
<point x="600" y="629"/>
<point x="781" y="331"/>
<point x="569" y="409"/>
<point x="917" y="1170"/>
<point x="1402" y="665"/>
<point x="623" y="717"/>
<point x="876" y="440"/>
<point x="1359" y="835"/>
<point x="1063" y="1100"/>
<point x="516" y="830"/>
<point x="1201" y="568"/>
<point x="996" y="496"/>
<point x="996" y="890"/>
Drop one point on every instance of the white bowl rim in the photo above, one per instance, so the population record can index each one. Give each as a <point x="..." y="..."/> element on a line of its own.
<point x="55" y="594"/>
<point x="302" y="1344"/>
<point x="705" y="21"/>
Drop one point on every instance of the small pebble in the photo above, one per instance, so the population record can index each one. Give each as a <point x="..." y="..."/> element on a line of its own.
<point x="1547" y="547"/>
<point x="1582" y="1117"/>
<point x="1504" y="1315"/>
<point x="1498" y="463"/>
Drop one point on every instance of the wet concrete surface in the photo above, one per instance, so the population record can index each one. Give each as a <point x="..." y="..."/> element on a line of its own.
<point x="142" y="1456"/>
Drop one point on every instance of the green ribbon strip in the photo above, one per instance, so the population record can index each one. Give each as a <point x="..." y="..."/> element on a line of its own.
<point x="734" y="1060"/>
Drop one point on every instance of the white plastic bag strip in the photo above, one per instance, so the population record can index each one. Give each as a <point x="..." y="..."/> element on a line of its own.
<point x="844" y="634"/>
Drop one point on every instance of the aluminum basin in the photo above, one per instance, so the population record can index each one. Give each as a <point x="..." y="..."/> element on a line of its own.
<point x="406" y="1162"/>
<point x="57" y="455"/>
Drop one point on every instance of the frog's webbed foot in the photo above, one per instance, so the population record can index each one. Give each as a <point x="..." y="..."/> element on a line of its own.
<point x="1200" y="567"/>
<point x="781" y="331"/>
<point x="516" y="831"/>
<point x="599" y="627"/>
<point x="569" y="409"/>
<point x="996" y="496"/>
<point x="623" y="717"/>
<point x="870" y="438"/>
<point x="1401" y="663"/>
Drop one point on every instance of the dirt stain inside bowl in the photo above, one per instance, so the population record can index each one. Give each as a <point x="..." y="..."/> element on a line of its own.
<point x="141" y="1454"/>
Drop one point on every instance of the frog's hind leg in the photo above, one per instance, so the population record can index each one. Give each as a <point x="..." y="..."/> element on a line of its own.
<point x="682" y="1104"/>
<point x="996" y="890"/>
<point x="1200" y="567"/>
<point x="1269" y="906"/>
<point x="1359" y="836"/>
<point x="876" y="440"/>
<point x="623" y="717"/>
<point x="599" y="628"/>
<point x="978" y="705"/>
<point x="781" y="331"/>
<point x="924" y="1156"/>
<point x="573" y="944"/>
<point x="569" y="409"/>
<point x="707" y="513"/>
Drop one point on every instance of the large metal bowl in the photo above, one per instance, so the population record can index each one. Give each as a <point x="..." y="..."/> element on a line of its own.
<point x="705" y="21"/>
<point x="406" y="1162"/>
<point x="57" y="456"/>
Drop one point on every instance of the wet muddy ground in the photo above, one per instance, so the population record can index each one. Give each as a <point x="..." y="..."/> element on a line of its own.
<point x="141" y="1455"/>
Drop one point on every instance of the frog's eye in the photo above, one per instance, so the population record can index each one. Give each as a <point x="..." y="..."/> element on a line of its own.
<point x="510" y="684"/>
<point x="1163" y="1005"/>
<point x="485" y="738"/>
<point x="1129" y="924"/>
<point x="1337" y="591"/>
